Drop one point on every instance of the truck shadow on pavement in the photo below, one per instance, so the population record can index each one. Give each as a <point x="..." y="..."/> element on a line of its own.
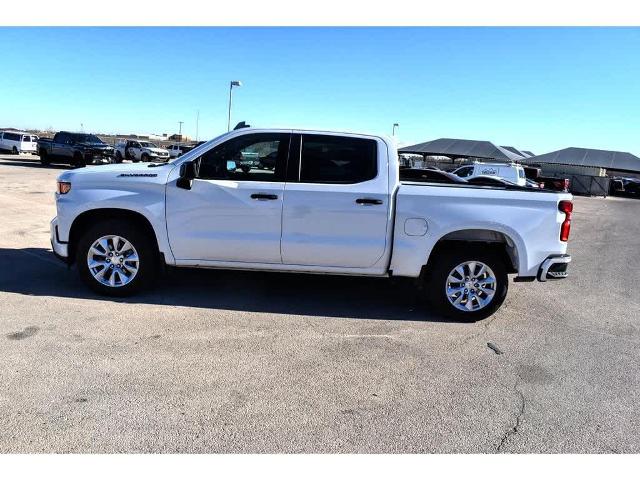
<point x="35" y="271"/>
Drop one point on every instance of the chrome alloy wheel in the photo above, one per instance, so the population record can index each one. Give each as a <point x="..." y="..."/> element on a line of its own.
<point x="470" y="286"/>
<point x="113" y="261"/>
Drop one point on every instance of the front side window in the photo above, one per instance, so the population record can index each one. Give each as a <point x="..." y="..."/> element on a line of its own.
<point x="333" y="159"/>
<point x="259" y="157"/>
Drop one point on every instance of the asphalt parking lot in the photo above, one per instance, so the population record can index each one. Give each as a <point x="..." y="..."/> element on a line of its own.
<point x="215" y="361"/>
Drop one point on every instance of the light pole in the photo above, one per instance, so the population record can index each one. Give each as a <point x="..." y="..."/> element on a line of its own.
<point x="180" y="131"/>
<point x="233" y="83"/>
<point x="395" y="125"/>
<point x="197" y="123"/>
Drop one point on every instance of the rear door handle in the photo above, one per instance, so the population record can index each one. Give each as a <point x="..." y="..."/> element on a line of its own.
<point x="368" y="201"/>
<point x="264" y="196"/>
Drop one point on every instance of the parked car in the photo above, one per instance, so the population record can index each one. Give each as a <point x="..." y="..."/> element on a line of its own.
<point x="268" y="161"/>
<point x="508" y="171"/>
<point x="334" y="204"/>
<point x="177" y="150"/>
<point x="18" y="142"/>
<point x="556" y="184"/>
<point x="76" y="149"/>
<point x="533" y="184"/>
<point x="489" y="181"/>
<point x="625" y="186"/>
<point x="429" y="175"/>
<point x="140" y="151"/>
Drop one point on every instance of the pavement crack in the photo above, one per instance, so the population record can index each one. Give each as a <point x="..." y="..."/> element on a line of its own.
<point x="515" y="428"/>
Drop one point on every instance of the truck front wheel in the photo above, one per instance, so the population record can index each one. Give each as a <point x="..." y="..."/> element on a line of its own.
<point x="467" y="284"/>
<point x="114" y="258"/>
<point x="78" y="161"/>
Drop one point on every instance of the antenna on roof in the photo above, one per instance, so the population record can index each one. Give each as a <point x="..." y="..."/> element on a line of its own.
<point x="241" y="125"/>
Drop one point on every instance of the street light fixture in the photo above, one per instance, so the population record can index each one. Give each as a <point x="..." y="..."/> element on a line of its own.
<point x="233" y="83"/>
<point x="395" y="125"/>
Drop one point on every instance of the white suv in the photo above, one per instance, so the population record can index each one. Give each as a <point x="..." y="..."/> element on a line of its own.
<point x="18" y="142"/>
<point x="512" y="172"/>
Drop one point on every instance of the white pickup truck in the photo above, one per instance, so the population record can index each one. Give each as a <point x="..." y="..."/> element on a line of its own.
<point x="333" y="204"/>
<point x="140" y="151"/>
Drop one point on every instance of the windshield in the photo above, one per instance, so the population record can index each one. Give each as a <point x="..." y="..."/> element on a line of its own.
<point x="87" y="138"/>
<point x="148" y="145"/>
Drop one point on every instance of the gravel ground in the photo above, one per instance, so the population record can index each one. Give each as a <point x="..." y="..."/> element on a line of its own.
<point x="214" y="361"/>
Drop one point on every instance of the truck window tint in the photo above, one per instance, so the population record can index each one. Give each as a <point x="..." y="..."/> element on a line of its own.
<point x="333" y="159"/>
<point x="259" y="157"/>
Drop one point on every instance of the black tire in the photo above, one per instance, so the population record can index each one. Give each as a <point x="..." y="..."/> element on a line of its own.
<point x="445" y="262"/>
<point x="78" y="161"/>
<point x="144" y="157"/>
<point x="144" y="246"/>
<point x="44" y="158"/>
<point x="245" y="169"/>
<point x="118" y="157"/>
<point x="14" y="151"/>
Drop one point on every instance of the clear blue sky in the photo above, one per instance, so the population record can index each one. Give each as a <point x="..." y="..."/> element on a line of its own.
<point x="540" y="89"/>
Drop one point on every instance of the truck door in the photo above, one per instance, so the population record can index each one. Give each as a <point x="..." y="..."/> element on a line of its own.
<point x="61" y="146"/>
<point x="230" y="215"/>
<point x="336" y="212"/>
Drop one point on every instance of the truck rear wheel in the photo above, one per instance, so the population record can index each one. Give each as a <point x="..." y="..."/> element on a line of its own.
<point x="44" y="159"/>
<point x="114" y="258"/>
<point x="467" y="284"/>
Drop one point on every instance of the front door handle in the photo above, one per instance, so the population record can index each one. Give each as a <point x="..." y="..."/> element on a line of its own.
<point x="369" y="201"/>
<point x="264" y="196"/>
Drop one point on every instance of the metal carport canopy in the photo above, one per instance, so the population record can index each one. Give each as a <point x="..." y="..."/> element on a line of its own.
<point x="590" y="157"/>
<point x="453" y="147"/>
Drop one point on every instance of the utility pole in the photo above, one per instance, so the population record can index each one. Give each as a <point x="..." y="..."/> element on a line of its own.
<point x="180" y="132"/>
<point x="395" y="125"/>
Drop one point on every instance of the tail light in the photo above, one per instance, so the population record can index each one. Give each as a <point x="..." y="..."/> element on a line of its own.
<point x="566" y="207"/>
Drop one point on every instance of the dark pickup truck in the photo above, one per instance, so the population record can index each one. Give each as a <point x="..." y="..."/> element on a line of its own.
<point x="76" y="149"/>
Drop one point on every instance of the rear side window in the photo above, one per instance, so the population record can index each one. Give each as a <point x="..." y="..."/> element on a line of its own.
<point x="332" y="159"/>
<point x="12" y="136"/>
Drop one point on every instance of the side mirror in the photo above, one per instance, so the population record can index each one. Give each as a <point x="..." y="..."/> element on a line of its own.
<point x="187" y="174"/>
<point x="231" y="166"/>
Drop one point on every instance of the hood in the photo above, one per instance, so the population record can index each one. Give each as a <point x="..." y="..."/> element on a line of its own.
<point x="95" y="145"/>
<point x="155" y="149"/>
<point x="116" y="171"/>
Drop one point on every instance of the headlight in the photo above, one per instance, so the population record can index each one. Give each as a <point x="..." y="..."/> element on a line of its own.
<point x="64" y="187"/>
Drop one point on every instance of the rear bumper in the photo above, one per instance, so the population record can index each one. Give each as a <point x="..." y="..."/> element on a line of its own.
<point x="60" y="249"/>
<point x="554" y="268"/>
